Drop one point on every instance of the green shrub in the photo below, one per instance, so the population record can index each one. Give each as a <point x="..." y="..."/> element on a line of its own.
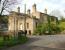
<point x="48" y="29"/>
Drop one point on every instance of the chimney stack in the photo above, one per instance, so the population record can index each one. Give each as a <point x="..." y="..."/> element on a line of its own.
<point x="45" y="11"/>
<point x="28" y="11"/>
<point x="34" y="8"/>
<point x="25" y="8"/>
<point x="18" y="9"/>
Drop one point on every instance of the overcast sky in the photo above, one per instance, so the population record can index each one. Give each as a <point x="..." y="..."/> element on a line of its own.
<point x="42" y="4"/>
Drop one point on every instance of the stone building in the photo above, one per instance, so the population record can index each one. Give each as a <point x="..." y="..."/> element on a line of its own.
<point x="27" y="21"/>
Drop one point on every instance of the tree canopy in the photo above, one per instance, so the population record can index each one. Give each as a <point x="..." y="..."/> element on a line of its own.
<point x="6" y="5"/>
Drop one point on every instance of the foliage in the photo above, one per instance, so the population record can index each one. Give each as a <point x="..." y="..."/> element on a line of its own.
<point x="47" y="29"/>
<point x="62" y="19"/>
<point x="6" y="5"/>
<point x="52" y="27"/>
<point x="3" y="19"/>
<point x="12" y="41"/>
<point x="62" y="25"/>
<point x="41" y="29"/>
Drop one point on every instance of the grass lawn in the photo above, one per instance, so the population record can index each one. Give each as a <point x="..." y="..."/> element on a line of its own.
<point x="12" y="41"/>
<point x="1" y="42"/>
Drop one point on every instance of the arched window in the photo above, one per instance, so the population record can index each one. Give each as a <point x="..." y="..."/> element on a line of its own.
<point x="27" y="25"/>
<point x="21" y="26"/>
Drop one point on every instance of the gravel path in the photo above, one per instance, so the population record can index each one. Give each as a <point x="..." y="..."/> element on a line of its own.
<point x="46" y="42"/>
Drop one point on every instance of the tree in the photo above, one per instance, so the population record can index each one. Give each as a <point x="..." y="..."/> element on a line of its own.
<point x="41" y="29"/>
<point x="6" y="5"/>
<point x="56" y="13"/>
<point x="49" y="28"/>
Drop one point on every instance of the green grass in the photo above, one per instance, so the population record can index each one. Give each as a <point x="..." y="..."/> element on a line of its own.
<point x="12" y="41"/>
<point x="1" y="42"/>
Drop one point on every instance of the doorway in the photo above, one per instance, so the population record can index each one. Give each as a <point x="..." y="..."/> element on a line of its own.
<point x="29" y="32"/>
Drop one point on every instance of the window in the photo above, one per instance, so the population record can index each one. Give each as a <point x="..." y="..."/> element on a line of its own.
<point x="27" y="25"/>
<point x="21" y="26"/>
<point x="36" y="24"/>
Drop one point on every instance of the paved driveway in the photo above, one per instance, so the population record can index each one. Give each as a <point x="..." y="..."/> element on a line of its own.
<point x="46" y="42"/>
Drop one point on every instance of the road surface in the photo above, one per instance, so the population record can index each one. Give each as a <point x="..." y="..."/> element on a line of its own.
<point x="45" y="42"/>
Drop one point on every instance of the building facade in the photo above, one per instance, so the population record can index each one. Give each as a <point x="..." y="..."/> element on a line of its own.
<point x="27" y="21"/>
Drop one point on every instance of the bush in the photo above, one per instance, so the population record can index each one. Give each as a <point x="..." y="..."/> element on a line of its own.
<point x="47" y="29"/>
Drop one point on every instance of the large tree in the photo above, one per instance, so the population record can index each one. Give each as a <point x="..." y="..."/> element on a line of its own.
<point x="7" y="5"/>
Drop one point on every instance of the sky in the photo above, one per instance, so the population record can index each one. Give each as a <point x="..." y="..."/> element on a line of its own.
<point x="55" y="6"/>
